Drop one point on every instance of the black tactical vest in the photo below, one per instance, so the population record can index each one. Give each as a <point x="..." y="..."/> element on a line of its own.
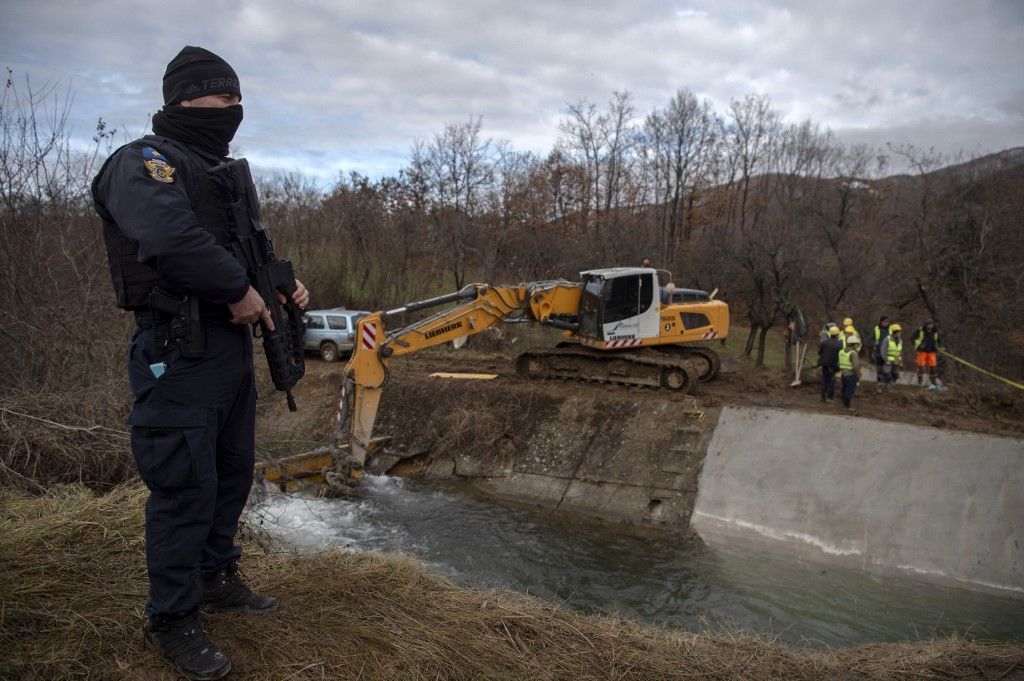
<point x="133" y="281"/>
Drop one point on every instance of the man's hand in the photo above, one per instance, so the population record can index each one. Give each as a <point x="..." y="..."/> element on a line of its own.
<point x="300" y="297"/>
<point x="251" y="309"/>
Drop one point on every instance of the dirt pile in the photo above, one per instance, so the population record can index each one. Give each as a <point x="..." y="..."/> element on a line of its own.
<point x="74" y="583"/>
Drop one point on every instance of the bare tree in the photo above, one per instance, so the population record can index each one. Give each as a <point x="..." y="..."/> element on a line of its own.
<point x="753" y="127"/>
<point x="456" y="168"/>
<point x="846" y="213"/>
<point x="603" y="145"/>
<point x="680" y="142"/>
<point x="517" y="240"/>
<point x="52" y="266"/>
<point x="752" y="137"/>
<point x="918" y="219"/>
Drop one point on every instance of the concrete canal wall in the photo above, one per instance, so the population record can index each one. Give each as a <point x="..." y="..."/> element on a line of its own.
<point x="633" y="461"/>
<point x="885" y="497"/>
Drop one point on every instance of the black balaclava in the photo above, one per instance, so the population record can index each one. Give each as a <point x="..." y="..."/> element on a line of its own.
<point x="196" y="72"/>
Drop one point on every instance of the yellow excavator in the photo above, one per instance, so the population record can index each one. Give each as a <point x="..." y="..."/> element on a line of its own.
<point x="620" y="325"/>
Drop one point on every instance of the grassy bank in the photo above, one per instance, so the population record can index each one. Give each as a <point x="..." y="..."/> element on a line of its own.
<point x="774" y="348"/>
<point x="74" y="582"/>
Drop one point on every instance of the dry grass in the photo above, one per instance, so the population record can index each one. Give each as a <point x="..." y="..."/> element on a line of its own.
<point x="75" y="436"/>
<point x="74" y="582"/>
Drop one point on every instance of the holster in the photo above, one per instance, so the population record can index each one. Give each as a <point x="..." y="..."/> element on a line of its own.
<point x="175" y="319"/>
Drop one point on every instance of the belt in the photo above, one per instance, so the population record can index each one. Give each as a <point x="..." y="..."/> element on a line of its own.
<point x="208" y="312"/>
<point x="147" y="319"/>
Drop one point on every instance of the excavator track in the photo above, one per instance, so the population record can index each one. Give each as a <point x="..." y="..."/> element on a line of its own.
<point x="704" y="362"/>
<point x="640" y="366"/>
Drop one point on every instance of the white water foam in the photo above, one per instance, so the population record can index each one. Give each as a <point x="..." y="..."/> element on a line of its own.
<point x="852" y="549"/>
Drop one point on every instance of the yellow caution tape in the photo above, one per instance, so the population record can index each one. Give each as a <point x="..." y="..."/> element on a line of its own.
<point x="478" y="377"/>
<point x="1007" y="381"/>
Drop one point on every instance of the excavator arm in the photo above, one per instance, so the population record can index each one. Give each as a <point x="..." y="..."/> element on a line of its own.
<point x="480" y="306"/>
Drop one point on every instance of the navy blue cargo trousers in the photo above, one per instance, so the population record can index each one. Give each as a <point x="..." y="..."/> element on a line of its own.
<point x="193" y="439"/>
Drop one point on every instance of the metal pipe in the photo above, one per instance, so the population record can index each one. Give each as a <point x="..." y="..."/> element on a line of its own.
<point x="465" y="293"/>
<point x="560" y="324"/>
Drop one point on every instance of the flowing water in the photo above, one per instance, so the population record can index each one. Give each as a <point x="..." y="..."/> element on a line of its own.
<point x="648" y="575"/>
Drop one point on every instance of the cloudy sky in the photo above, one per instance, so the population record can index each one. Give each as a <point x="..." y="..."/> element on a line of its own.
<point x="333" y="85"/>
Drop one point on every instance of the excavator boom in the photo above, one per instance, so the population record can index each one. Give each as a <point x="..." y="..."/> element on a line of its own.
<point x="480" y="307"/>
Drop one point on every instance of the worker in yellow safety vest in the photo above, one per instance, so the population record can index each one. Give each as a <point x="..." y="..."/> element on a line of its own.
<point x="848" y="333"/>
<point x="849" y="328"/>
<point x="891" y="350"/>
<point x="850" y="371"/>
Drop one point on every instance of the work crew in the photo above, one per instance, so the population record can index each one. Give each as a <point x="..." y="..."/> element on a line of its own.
<point x="167" y="233"/>
<point x="881" y="332"/>
<point x="848" y="366"/>
<point x="926" y="343"/>
<point x="828" y="358"/>
<point x="891" y="349"/>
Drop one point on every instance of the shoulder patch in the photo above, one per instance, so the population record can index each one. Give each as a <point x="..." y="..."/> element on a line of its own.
<point x="157" y="166"/>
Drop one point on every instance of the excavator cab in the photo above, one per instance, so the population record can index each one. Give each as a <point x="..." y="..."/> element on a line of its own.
<point x="619" y="304"/>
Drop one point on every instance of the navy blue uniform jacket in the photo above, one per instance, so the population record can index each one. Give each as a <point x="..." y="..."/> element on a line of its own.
<point x="161" y="216"/>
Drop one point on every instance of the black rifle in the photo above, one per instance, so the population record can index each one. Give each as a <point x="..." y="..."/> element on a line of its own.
<point x="268" y="274"/>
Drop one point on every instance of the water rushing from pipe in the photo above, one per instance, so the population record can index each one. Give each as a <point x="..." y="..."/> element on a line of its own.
<point x="642" y="574"/>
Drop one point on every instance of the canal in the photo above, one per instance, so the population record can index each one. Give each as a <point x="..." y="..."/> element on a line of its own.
<point x="648" y="575"/>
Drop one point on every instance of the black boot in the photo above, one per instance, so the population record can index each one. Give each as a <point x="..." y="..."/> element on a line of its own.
<point x="187" y="646"/>
<point x="226" y="592"/>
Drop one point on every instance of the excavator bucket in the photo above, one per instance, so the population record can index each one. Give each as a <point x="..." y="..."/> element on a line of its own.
<point x="322" y="467"/>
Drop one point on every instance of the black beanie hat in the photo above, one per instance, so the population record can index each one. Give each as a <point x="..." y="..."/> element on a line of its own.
<point x="196" y="72"/>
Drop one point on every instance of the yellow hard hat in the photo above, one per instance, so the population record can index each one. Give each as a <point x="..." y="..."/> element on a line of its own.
<point x="847" y="322"/>
<point x="849" y="328"/>
<point x="894" y="328"/>
<point x="833" y="330"/>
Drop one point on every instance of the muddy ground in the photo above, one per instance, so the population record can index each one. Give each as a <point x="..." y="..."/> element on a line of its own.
<point x="421" y="411"/>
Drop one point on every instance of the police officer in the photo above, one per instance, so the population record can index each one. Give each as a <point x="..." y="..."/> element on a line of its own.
<point x="190" y="362"/>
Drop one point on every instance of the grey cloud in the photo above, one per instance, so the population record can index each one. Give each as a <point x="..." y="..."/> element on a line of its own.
<point x="1013" y="104"/>
<point x="356" y="81"/>
<point x="857" y="94"/>
<point x="956" y="138"/>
